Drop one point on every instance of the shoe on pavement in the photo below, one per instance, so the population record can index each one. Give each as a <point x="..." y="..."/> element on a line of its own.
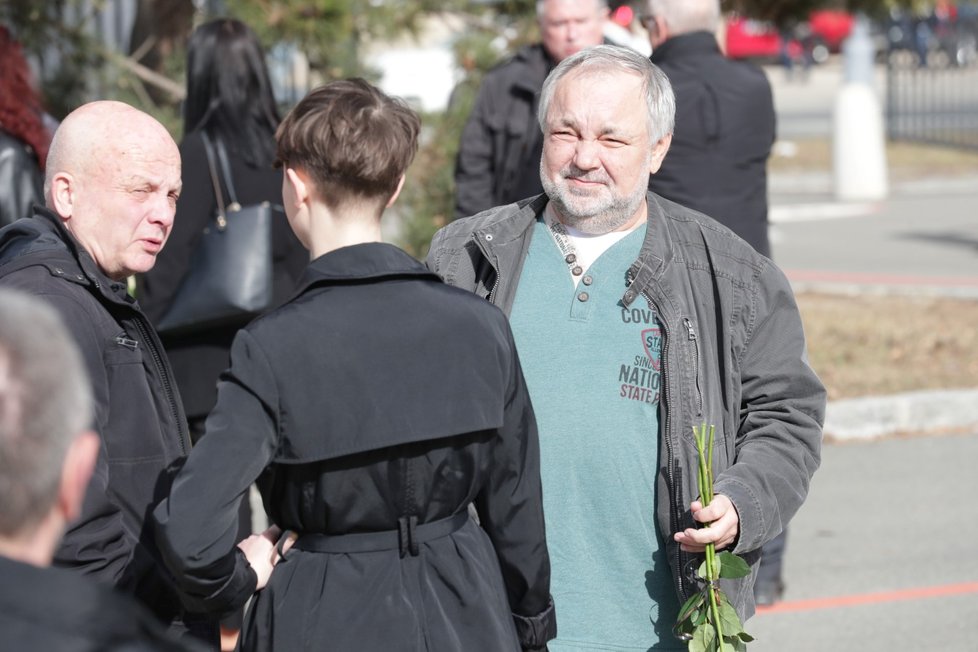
<point x="768" y="593"/>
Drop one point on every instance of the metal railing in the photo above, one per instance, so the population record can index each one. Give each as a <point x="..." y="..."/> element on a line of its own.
<point x="934" y="101"/>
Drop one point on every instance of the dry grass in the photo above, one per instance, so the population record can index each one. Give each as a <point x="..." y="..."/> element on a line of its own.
<point x="873" y="345"/>
<point x="904" y="160"/>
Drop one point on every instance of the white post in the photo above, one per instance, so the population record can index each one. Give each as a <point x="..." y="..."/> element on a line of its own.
<point x="858" y="146"/>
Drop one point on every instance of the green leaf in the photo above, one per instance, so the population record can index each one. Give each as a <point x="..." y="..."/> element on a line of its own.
<point x="691" y="606"/>
<point x="736" y="644"/>
<point x="701" y="571"/>
<point x="729" y="620"/>
<point x="732" y="566"/>
<point x="745" y="637"/>
<point x="703" y="639"/>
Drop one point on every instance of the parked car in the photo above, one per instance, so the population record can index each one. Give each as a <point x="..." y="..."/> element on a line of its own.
<point x="818" y="37"/>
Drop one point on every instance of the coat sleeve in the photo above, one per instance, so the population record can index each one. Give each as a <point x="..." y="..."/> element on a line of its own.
<point x="778" y="445"/>
<point x="511" y="512"/>
<point x="197" y="524"/>
<point x="20" y="178"/>
<point x="474" y="164"/>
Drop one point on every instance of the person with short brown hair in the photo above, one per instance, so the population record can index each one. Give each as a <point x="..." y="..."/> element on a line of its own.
<point x="373" y="409"/>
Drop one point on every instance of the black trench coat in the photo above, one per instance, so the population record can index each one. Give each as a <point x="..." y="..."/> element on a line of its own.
<point x="372" y="409"/>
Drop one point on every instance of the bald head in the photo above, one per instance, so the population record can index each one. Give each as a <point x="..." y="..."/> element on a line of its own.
<point x="113" y="176"/>
<point x="675" y="17"/>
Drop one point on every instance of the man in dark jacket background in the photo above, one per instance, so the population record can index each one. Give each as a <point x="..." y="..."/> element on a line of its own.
<point x="499" y="156"/>
<point x="725" y="122"/>
<point x="47" y="454"/>
<point x="113" y="178"/>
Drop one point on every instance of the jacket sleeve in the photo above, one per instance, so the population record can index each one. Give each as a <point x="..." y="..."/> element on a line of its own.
<point x="97" y="543"/>
<point x="511" y="512"/>
<point x="778" y="445"/>
<point x="157" y="288"/>
<point x="197" y="524"/>
<point x="20" y="178"/>
<point x="474" y="164"/>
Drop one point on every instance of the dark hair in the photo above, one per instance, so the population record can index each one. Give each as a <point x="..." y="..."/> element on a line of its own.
<point x="354" y="141"/>
<point x="228" y="90"/>
<point x="20" y="106"/>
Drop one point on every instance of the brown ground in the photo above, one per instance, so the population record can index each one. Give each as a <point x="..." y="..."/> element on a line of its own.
<point x="872" y="345"/>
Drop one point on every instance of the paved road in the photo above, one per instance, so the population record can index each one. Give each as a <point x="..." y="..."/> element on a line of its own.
<point x="882" y="555"/>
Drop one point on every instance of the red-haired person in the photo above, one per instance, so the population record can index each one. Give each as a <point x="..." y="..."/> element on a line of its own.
<point x="24" y="139"/>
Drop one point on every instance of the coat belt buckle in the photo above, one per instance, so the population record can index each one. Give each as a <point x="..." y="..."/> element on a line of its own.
<point x="407" y="543"/>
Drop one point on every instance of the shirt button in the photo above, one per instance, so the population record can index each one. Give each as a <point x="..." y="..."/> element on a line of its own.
<point x="570" y="258"/>
<point x="577" y="271"/>
<point x="587" y="280"/>
<point x="583" y="296"/>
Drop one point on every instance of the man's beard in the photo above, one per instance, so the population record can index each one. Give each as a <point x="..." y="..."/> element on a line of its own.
<point x="585" y="212"/>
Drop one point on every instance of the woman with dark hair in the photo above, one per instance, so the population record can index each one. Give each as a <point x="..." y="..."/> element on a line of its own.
<point x="24" y="139"/>
<point x="229" y="99"/>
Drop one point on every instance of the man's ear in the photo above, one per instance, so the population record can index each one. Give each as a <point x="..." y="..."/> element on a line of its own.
<point x="659" y="152"/>
<point x="77" y="470"/>
<point x="300" y="187"/>
<point x="62" y="194"/>
<point x="400" y="185"/>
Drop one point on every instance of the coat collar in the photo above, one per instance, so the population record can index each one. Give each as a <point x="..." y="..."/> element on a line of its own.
<point x="686" y="45"/>
<point x="362" y="262"/>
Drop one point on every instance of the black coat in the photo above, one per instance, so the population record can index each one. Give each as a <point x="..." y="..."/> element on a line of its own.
<point x="54" y="610"/>
<point x="199" y="358"/>
<point x="137" y="408"/>
<point x="378" y="400"/>
<point x="498" y="158"/>
<point x="725" y="127"/>
<point x="21" y="181"/>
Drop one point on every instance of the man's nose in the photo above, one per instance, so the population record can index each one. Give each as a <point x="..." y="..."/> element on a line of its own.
<point x="163" y="211"/>
<point x="586" y="155"/>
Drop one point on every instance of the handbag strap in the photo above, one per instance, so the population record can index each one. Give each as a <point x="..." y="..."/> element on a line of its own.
<point x="222" y="156"/>
<point x="222" y="220"/>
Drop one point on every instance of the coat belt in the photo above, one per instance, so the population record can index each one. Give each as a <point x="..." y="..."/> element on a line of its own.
<point x="406" y="538"/>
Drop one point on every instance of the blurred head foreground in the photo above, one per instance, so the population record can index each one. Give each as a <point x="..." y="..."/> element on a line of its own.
<point x="607" y="115"/>
<point x="113" y="176"/>
<point x="569" y="26"/>
<point x="664" y="19"/>
<point x="46" y="453"/>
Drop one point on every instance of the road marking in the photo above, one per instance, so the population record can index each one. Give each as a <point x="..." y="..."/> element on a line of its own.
<point x="871" y="598"/>
<point x="872" y="278"/>
<point x="788" y="213"/>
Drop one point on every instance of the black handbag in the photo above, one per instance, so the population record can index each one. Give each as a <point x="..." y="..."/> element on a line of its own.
<point x="229" y="280"/>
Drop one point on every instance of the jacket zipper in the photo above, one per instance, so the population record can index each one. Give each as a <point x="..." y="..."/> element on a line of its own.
<point x="696" y="364"/>
<point x="167" y="384"/>
<point x="482" y="247"/>
<point x="670" y="474"/>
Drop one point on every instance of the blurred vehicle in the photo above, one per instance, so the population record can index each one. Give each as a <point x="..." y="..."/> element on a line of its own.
<point x="939" y="38"/>
<point x="816" y="38"/>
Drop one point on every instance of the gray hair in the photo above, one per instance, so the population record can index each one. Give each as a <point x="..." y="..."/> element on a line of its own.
<point x="598" y="4"/>
<point x="684" y="16"/>
<point x="45" y="402"/>
<point x="659" y="99"/>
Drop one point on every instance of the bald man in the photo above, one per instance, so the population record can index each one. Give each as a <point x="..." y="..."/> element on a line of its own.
<point x="111" y="186"/>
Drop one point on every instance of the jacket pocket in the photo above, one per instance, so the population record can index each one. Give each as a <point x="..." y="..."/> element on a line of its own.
<point x="132" y="431"/>
<point x="693" y="367"/>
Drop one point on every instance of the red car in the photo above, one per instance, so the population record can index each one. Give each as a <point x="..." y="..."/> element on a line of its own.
<point x="820" y="35"/>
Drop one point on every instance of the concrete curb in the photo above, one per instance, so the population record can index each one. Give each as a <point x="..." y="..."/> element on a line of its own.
<point x="924" y="412"/>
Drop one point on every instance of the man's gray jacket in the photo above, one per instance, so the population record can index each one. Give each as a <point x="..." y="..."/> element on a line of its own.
<point x="733" y="356"/>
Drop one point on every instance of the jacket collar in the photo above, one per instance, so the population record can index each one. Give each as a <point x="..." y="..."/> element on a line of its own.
<point x="686" y="45"/>
<point x="43" y="240"/>
<point x="656" y="252"/>
<point x="371" y="261"/>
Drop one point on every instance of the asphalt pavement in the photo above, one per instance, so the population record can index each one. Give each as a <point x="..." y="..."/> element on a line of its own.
<point x="882" y="555"/>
